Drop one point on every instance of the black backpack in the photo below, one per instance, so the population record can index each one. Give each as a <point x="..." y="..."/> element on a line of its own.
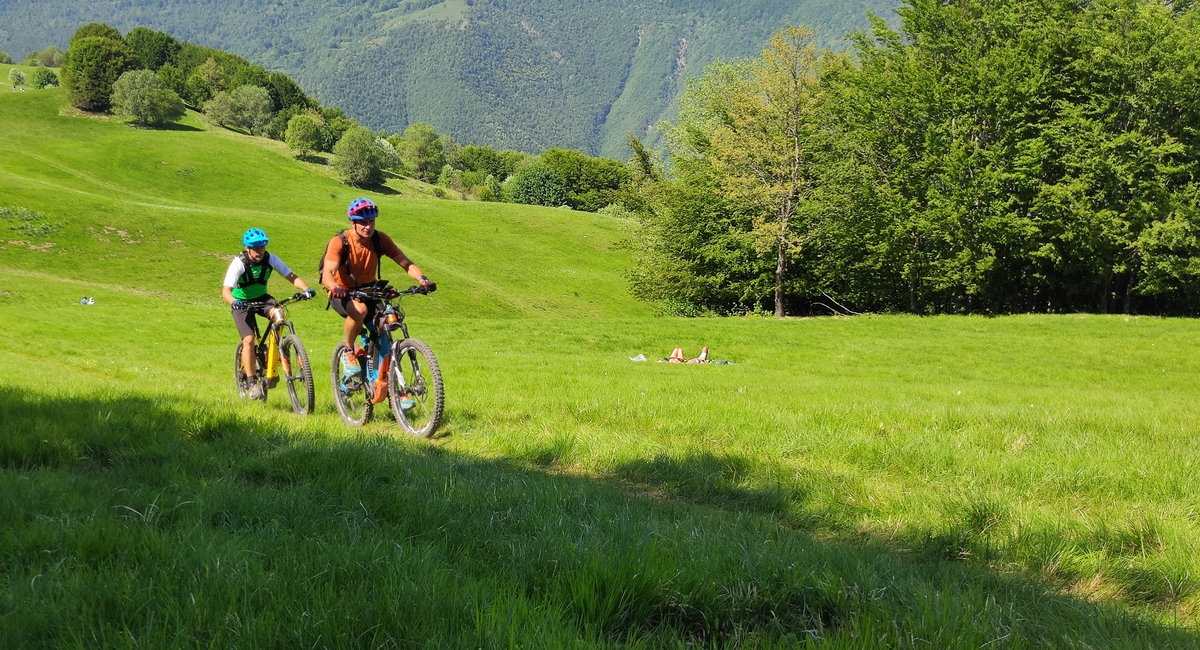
<point x="247" y="277"/>
<point x="344" y="259"/>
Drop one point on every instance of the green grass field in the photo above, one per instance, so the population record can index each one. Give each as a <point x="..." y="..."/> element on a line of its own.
<point x="882" y="481"/>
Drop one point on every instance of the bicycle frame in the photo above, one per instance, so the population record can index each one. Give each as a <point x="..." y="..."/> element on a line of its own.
<point x="378" y="331"/>
<point x="268" y="340"/>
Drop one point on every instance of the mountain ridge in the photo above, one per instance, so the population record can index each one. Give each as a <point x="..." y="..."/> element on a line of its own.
<point x="524" y="74"/>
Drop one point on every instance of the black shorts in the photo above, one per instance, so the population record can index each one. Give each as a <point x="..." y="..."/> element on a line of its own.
<point x="339" y="305"/>
<point x="244" y="318"/>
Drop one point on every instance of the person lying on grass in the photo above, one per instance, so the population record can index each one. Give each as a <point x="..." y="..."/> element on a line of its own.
<point x="678" y="357"/>
<point x="353" y="260"/>
<point x="246" y="283"/>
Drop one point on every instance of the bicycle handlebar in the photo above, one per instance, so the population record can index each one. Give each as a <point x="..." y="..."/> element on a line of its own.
<point x="298" y="296"/>
<point x="389" y="293"/>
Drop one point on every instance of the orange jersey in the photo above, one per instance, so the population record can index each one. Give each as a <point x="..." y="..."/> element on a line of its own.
<point x="362" y="261"/>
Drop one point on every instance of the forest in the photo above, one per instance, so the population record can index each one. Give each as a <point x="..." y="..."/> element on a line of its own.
<point x="984" y="157"/>
<point x="513" y="74"/>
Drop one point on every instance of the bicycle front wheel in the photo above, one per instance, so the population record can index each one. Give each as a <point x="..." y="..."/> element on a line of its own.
<point x="298" y="374"/>
<point x="351" y="393"/>
<point x="415" y="388"/>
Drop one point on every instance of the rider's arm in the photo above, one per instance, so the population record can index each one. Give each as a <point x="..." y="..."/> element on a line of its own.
<point x="295" y="280"/>
<point x="231" y="275"/>
<point x="327" y="275"/>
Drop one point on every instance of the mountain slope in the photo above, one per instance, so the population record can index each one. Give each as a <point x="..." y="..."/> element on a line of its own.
<point x="162" y="211"/>
<point x="528" y="74"/>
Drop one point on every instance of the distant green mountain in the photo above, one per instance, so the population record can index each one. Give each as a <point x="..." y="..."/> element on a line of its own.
<point x="526" y="74"/>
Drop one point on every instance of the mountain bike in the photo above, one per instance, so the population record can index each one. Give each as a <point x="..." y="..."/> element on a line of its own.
<point x="275" y="354"/>
<point x="404" y="372"/>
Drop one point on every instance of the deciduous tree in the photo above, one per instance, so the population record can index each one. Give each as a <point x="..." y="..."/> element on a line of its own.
<point x="51" y="57"/>
<point x="152" y="49"/>
<point x="537" y="184"/>
<point x="303" y="135"/>
<point x="421" y="151"/>
<point x="358" y="159"/>
<point x="139" y="95"/>
<point x="754" y="130"/>
<point x="92" y="66"/>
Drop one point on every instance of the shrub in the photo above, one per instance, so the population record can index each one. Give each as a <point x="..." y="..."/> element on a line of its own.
<point x="357" y="158"/>
<point x="28" y="223"/>
<point x="16" y="77"/>
<point x="5" y="58"/>
<point x="483" y="193"/>
<point x="91" y="68"/>
<point x="471" y="179"/>
<point x="303" y="135"/>
<point x="51" y="57"/>
<point x="494" y="187"/>
<point x="450" y="178"/>
<point x="43" y="78"/>
<point x="537" y="185"/>
<point x="140" y="95"/>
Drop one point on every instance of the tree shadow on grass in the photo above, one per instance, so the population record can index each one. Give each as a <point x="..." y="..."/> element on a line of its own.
<point x="162" y="523"/>
<point x="177" y="126"/>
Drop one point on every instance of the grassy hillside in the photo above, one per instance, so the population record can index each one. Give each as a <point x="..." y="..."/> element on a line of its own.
<point x="527" y="74"/>
<point x="848" y="483"/>
<point x="163" y="211"/>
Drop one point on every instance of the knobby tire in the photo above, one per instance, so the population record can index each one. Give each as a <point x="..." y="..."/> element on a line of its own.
<point x="415" y="374"/>
<point x="299" y="377"/>
<point x="354" y="405"/>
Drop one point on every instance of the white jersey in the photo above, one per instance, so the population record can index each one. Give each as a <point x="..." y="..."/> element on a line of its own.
<point x="236" y="269"/>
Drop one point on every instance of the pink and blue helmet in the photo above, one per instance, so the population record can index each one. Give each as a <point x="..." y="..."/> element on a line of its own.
<point x="362" y="210"/>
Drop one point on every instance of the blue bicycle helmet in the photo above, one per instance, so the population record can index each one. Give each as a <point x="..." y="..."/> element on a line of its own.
<point x="362" y="210"/>
<point x="254" y="238"/>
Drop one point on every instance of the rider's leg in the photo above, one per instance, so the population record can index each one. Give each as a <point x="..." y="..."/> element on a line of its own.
<point x="356" y="314"/>
<point x="248" y="355"/>
<point x="243" y="319"/>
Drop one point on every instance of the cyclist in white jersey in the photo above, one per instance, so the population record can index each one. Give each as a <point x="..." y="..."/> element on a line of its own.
<point x="246" y="282"/>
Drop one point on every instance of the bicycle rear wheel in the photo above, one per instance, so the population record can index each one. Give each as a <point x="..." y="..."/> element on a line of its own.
<point x="298" y="374"/>
<point x="242" y="381"/>
<point x="415" y="388"/>
<point x="352" y="396"/>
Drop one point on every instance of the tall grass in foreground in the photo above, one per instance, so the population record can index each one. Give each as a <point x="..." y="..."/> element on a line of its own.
<point x="151" y="522"/>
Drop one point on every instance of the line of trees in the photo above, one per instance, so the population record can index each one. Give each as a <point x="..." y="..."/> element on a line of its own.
<point x="149" y="77"/>
<point x="228" y="88"/>
<point x="555" y="178"/>
<point x="989" y="156"/>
